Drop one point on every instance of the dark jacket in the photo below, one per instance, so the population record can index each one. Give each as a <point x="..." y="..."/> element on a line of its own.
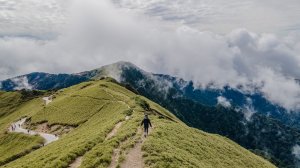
<point x="146" y="123"/>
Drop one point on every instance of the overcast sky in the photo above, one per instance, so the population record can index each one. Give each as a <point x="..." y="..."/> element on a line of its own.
<point x="249" y="43"/>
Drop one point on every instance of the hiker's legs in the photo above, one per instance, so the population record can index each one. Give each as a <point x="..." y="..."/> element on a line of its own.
<point x="145" y="131"/>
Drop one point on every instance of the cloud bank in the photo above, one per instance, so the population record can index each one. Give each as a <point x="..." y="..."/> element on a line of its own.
<point x="21" y="83"/>
<point x="222" y="16"/>
<point x="95" y="33"/>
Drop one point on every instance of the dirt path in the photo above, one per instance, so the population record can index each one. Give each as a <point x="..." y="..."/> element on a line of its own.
<point x="18" y="128"/>
<point x="115" y="158"/>
<point x="114" y="131"/>
<point x="116" y="152"/>
<point x="134" y="158"/>
<point x="77" y="162"/>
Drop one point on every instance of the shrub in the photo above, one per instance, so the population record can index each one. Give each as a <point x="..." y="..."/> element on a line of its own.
<point x="143" y="103"/>
<point x="128" y="112"/>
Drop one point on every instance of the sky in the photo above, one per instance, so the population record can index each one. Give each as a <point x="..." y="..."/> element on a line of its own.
<point x="254" y="44"/>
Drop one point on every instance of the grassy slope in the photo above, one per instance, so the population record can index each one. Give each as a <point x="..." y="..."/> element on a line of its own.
<point x="171" y="145"/>
<point x="96" y="106"/>
<point x="15" y="145"/>
<point x="9" y="102"/>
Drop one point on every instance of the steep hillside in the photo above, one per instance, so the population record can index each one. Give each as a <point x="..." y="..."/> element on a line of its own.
<point x="97" y="123"/>
<point x="251" y="125"/>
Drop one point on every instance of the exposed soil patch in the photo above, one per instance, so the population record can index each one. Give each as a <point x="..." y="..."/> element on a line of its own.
<point x="19" y="127"/>
<point x="53" y="129"/>
<point x="115" y="158"/>
<point x="114" y="131"/>
<point x="134" y="157"/>
<point x="76" y="163"/>
<point x="48" y="100"/>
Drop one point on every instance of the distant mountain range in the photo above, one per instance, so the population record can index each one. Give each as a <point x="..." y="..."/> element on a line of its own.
<point x="41" y="81"/>
<point x="247" y="118"/>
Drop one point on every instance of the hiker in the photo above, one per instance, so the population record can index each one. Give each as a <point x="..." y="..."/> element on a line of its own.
<point x="28" y="131"/>
<point x="146" y="122"/>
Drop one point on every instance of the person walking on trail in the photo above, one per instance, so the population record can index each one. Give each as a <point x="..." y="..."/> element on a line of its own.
<point x="146" y="122"/>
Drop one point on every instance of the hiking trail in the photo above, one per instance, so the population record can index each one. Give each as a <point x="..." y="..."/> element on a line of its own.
<point x="134" y="158"/>
<point x="116" y="152"/>
<point x="77" y="162"/>
<point x="113" y="131"/>
<point x="18" y="128"/>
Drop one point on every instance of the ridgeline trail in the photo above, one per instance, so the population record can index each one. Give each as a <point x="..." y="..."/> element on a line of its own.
<point x="134" y="157"/>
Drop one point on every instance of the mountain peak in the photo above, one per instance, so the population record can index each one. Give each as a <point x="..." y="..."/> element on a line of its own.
<point x="113" y="70"/>
<point x="121" y="65"/>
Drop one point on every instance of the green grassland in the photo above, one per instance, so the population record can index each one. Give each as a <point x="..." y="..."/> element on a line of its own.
<point x="9" y="102"/>
<point x="171" y="145"/>
<point x="14" y="145"/>
<point x="94" y="108"/>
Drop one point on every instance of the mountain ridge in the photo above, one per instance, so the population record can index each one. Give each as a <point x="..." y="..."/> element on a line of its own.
<point x="242" y="122"/>
<point x="93" y="109"/>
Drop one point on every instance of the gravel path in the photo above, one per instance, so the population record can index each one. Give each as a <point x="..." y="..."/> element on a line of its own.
<point x="18" y="128"/>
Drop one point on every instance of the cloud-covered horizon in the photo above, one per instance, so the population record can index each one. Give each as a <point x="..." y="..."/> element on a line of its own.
<point x="273" y="16"/>
<point x="95" y="33"/>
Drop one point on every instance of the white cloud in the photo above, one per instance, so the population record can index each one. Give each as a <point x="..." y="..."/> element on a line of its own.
<point x="31" y="18"/>
<point x="21" y="83"/>
<point x="296" y="151"/>
<point x="248" y="110"/>
<point x="93" y="33"/>
<point x="223" y="101"/>
<point x="222" y="16"/>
